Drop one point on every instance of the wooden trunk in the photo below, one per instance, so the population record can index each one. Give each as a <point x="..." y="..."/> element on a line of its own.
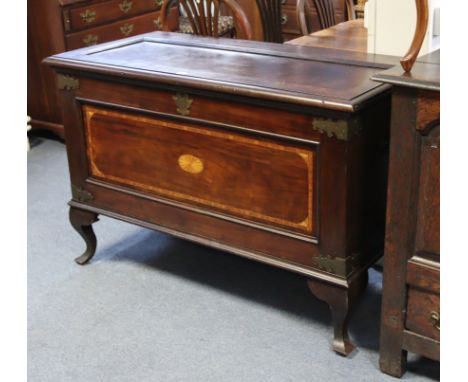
<point x="273" y="155"/>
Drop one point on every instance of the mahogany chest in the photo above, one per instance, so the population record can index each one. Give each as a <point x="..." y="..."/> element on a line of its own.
<point x="267" y="151"/>
<point x="411" y="285"/>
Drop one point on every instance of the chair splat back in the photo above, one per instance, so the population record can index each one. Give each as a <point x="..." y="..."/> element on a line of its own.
<point x="271" y="15"/>
<point x="204" y="16"/>
<point x="325" y="10"/>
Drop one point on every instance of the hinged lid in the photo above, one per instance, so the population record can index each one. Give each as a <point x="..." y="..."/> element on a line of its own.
<point x="278" y="72"/>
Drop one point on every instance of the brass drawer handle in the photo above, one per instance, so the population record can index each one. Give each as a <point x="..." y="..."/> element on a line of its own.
<point x="158" y="23"/>
<point x="126" y="29"/>
<point x="158" y="3"/>
<point x="88" y="16"/>
<point x="125" y="6"/>
<point x="191" y="164"/>
<point x="284" y="19"/>
<point x="91" y="39"/>
<point x="435" y="320"/>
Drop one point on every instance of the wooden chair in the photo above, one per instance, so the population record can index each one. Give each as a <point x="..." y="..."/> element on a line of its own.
<point x="204" y="16"/>
<point x="325" y="12"/>
<point x="270" y="13"/>
<point x="422" y="14"/>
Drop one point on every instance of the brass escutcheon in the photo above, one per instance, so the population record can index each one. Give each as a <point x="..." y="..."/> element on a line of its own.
<point x="183" y="103"/>
<point x="158" y="3"/>
<point x="191" y="164"/>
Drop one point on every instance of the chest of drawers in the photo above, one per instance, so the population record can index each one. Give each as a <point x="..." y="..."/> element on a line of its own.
<point x="262" y="150"/>
<point x="411" y="291"/>
<point x="91" y="22"/>
<point x="56" y="26"/>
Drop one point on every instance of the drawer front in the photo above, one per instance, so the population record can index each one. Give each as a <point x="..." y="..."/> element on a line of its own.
<point x="125" y="28"/>
<point x="244" y="176"/>
<point x="423" y="313"/>
<point x="104" y="12"/>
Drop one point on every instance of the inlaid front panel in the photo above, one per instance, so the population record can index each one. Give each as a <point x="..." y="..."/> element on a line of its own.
<point x="243" y="176"/>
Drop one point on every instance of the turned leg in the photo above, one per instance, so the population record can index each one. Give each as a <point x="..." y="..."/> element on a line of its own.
<point x="341" y="301"/>
<point x="82" y="221"/>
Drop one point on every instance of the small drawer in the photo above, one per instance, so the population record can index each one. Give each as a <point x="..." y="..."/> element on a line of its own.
<point x="125" y="28"/>
<point x="215" y="170"/>
<point x="423" y="313"/>
<point x="104" y="12"/>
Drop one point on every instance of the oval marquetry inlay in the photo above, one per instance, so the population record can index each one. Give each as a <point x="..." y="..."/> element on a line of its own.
<point x="191" y="164"/>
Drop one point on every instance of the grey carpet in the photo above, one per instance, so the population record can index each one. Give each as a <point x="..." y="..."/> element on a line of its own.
<point x="153" y="308"/>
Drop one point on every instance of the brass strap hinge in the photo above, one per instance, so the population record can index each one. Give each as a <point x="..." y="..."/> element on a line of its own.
<point x="81" y="194"/>
<point x="67" y="82"/>
<point x="341" y="129"/>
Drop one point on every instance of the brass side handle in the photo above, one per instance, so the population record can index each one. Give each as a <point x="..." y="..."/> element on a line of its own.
<point x="125" y="6"/>
<point x="126" y="29"/>
<point x="435" y="319"/>
<point x="91" y="39"/>
<point x="88" y="16"/>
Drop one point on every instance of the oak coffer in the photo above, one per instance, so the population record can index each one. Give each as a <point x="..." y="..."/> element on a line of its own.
<point x="411" y="280"/>
<point x="271" y="152"/>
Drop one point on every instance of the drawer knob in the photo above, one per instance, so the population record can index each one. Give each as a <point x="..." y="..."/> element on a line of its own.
<point x="88" y="16"/>
<point x="125" y="6"/>
<point x="90" y="39"/>
<point x="435" y="319"/>
<point x="126" y="29"/>
<point x="284" y="19"/>
<point x="183" y="103"/>
<point x="191" y="164"/>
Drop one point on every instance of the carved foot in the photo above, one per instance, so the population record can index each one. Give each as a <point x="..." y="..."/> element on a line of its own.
<point x="341" y="301"/>
<point x="82" y="221"/>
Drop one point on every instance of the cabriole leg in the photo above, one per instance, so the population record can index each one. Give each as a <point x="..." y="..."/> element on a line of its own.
<point x="82" y="221"/>
<point x="341" y="301"/>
